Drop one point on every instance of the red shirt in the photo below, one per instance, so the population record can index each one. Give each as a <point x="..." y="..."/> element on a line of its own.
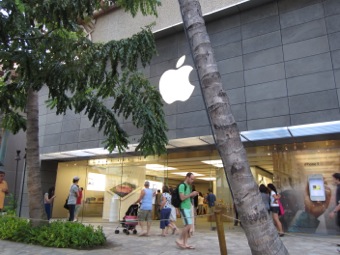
<point x="80" y="197"/>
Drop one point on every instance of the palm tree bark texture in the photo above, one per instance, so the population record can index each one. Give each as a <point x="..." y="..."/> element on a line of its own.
<point x="34" y="186"/>
<point x="261" y="233"/>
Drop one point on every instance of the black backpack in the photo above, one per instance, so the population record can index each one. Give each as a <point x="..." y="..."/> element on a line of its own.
<point x="175" y="198"/>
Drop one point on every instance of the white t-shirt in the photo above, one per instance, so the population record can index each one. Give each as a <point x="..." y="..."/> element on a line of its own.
<point x="273" y="203"/>
<point x="167" y="199"/>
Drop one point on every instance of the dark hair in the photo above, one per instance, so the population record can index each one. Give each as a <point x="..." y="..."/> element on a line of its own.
<point x="50" y="192"/>
<point x="189" y="174"/>
<point x="263" y="188"/>
<point x="336" y="176"/>
<point x="171" y="189"/>
<point x="2" y="172"/>
<point x="200" y="193"/>
<point x="165" y="189"/>
<point x="210" y="190"/>
<point x="272" y="187"/>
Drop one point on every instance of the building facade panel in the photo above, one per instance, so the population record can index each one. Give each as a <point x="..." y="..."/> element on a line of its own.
<point x="290" y="5"/>
<point x="333" y="23"/>
<point x="305" y="31"/>
<point x="317" y="101"/>
<point x="233" y="80"/>
<point x="228" y="36"/>
<point x="331" y="7"/>
<point x="70" y="137"/>
<point x="258" y="13"/>
<point x="267" y="108"/>
<point x="300" y="16"/>
<point x="317" y="116"/>
<point x="336" y="58"/>
<point x="230" y="65"/>
<point x="310" y="83"/>
<point x="219" y="25"/>
<point x="260" y="27"/>
<point x="261" y="42"/>
<point x="306" y="48"/>
<point x="264" y="74"/>
<point x="280" y="121"/>
<point x="268" y="90"/>
<point x="70" y="125"/>
<point x="263" y="58"/>
<point x="308" y="65"/>
<point x="337" y="77"/>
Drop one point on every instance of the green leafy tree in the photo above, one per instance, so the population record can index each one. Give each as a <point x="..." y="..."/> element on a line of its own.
<point x="262" y="236"/>
<point x="42" y="44"/>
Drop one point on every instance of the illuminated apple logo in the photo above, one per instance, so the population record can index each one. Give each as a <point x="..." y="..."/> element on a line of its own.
<point x="174" y="85"/>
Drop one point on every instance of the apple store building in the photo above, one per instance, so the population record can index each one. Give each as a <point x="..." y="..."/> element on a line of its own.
<point x="280" y="66"/>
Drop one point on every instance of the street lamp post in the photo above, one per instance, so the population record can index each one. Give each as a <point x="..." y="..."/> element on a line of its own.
<point x="17" y="158"/>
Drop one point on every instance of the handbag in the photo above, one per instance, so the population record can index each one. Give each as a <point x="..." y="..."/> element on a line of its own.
<point x="66" y="205"/>
<point x="282" y="210"/>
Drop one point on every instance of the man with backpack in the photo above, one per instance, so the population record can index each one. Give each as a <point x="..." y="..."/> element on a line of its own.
<point x="186" y="194"/>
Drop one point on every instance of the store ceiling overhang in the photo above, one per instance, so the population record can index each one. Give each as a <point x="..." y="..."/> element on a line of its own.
<point x="316" y="129"/>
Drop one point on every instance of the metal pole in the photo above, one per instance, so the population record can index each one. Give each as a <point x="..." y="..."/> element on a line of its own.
<point x="220" y="232"/>
<point x="17" y="158"/>
<point x="22" y="185"/>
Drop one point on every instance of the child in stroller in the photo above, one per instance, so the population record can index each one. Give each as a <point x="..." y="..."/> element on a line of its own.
<point x="130" y="220"/>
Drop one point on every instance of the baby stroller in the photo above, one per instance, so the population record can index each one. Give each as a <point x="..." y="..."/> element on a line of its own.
<point x="130" y="220"/>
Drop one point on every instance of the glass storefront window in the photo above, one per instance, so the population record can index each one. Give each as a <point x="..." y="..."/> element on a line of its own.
<point x="287" y="166"/>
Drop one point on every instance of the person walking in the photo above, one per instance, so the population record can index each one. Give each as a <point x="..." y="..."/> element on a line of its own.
<point x="72" y="198"/>
<point x="200" y="203"/>
<point x="158" y="202"/>
<point x="173" y="217"/>
<point x="186" y="194"/>
<point x="145" y="210"/>
<point x="3" y="190"/>
<point x="274" y="207"/>
<point x="78" y="204"/>
<point x="211" y="199"/>
<point x="165" y="209"/>
<point x="48" y="202"/>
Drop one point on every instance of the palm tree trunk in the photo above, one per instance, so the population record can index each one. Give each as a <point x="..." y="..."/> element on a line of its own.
<point x="32" y="157"/>
<point x="262" y="236"/>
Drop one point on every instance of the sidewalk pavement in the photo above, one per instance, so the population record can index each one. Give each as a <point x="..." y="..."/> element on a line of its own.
<point x="204" y="240"/>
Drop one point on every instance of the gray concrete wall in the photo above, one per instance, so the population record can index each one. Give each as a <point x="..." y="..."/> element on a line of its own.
<point x="279" y="64"/>
<point x="115" y="26"/>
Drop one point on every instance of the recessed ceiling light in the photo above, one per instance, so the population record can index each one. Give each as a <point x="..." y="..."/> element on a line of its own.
<point x="216" y="163"/>
<point x="158" y="167"/>
<point x="185" y="173"/>
<point x="207" y="178"/>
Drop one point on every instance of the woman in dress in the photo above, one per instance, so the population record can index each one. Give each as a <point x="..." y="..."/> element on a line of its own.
<point x="274" y="207"/>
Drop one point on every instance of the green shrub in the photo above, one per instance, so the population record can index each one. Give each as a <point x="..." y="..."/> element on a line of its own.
<point x="58" y="234"/>
<point x="11" y="227"/>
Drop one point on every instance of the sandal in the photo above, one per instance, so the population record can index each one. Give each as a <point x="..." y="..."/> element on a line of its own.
<point x="180" y="245"/>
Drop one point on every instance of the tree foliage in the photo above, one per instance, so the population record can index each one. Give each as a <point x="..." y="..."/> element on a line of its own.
<point x="43" y="42"/>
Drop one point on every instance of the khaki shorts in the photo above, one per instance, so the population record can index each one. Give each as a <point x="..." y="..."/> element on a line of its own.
<point x="144" y="215"/>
